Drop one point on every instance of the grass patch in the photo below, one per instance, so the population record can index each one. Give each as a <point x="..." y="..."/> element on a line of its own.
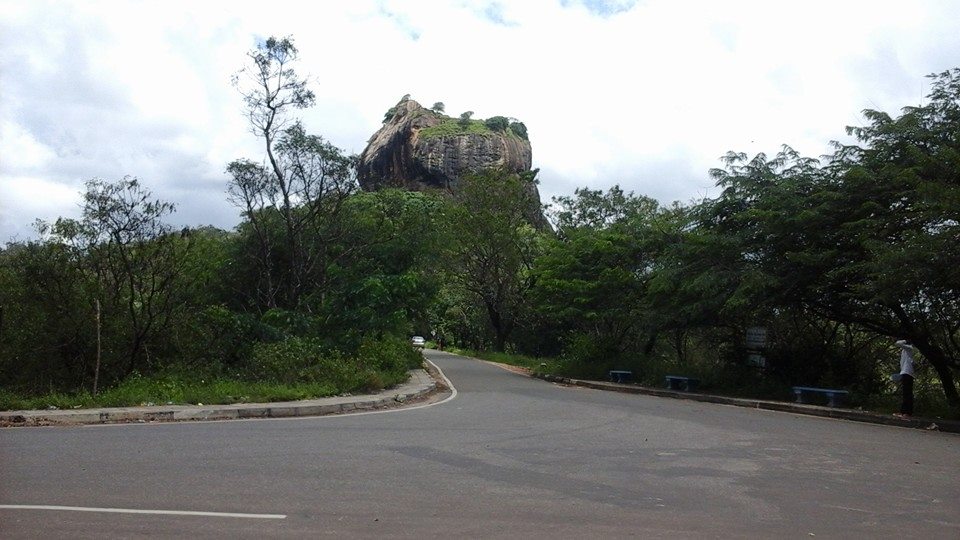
<point x="291" y="370"/>
<point x="538" y="365"/>
<point x="171" y="390"/>
<point x="451" y="127"/>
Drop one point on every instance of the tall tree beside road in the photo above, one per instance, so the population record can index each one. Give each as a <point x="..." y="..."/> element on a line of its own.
<point x="292" y="199"/>
<point x="867" y="239"/>
<point x="902" y="185"/>
<point x="383" y="272"/>
<point x="494" y="246"/>
<point x="592" y="278"/>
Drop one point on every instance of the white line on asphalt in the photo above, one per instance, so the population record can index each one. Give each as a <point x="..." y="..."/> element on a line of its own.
<point x="453" y="394"/>
<point x="138" y="511"/>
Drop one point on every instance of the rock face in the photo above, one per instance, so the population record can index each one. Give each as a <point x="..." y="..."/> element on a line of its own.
<point x="419" y="149"/>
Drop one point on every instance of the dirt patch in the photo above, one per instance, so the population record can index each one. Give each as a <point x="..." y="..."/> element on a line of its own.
<point x="515" y="369"/>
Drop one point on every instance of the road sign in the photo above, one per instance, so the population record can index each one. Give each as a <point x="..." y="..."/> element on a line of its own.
<point x="756" y="337"/>
<point x="756" y="360"/>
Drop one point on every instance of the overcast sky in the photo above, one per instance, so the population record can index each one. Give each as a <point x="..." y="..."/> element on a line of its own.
<point x="645" y="94"/>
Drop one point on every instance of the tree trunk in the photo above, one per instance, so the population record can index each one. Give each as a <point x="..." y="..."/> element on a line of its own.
<point x="499" y="332"/>
<point x="650" y="344"/>
<point x="938" y="360"/>
<point x="931" y="351"/>
<point x="96" y="367"/>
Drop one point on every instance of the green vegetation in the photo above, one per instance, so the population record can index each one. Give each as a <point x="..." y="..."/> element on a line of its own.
<point x="497" y="123"/>
<point x="836" y="258"/>
<point x="518" y="129"/>
<point x="452" y="127"/>
<point x="318" y="289"/>
<point x="162" y="389"/>
<point x="314" y="294"/>
<point x="467" y="125"/>
<point x="292" y="369"/>
<point x="536" y="365"/>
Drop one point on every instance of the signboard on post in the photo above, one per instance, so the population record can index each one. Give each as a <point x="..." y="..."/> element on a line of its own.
<point x="756" y="360"/>
<point x="756" y="337"/>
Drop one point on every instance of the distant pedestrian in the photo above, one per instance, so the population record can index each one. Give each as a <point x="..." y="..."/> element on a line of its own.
<point x="907" y="351"/>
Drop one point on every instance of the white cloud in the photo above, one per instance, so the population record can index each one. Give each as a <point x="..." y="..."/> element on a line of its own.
<point x="37" y="198"/>
<point x="645" y="94"/>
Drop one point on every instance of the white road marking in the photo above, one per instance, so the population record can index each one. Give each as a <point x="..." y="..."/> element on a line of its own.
<point x="453" y="394"/>
<point x="139" y="511"/>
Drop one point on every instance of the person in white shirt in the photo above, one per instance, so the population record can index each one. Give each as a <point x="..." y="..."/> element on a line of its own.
<point x="907" y="351"/>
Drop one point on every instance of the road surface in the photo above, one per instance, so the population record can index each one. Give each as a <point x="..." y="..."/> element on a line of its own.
<point x="508" y="456"/>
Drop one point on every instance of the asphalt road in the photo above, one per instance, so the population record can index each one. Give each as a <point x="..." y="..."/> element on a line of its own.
<point x="508" y="456"/>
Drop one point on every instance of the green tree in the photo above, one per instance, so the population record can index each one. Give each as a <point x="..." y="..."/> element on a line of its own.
<point x="132" y="264"/>
<point x="290" y="202"/>
<point x="592" y="279"/>
<point x="48" y="322"/>
<point x="494" y="246"/>
<point x="497" y="123"/>
<point x="519" y="129"/>
<point x="383" y="271"/>
<point x="865" y="239"/>
<point x="594" y="209"/>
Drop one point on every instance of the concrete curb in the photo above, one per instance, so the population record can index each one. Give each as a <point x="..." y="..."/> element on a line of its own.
<point x="949" y="426"/>
<point x="420" y="385"/>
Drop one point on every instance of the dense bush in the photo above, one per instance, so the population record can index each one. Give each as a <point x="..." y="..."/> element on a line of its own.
<point x="301" y="359"/>
<point x="497" y="123"/>
<point x="519" y="129"/>
<point x="392" y="356"/>
<point x="377" y="363"/>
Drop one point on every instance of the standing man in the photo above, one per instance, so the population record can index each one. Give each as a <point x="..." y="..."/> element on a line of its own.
<point x="906" y="377"/>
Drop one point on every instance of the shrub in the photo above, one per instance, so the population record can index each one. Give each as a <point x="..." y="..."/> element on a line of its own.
<point x="519" y="129"/>
<point x="497" y="123"/>
<point x="302" y="360"/>
<point x="217" y="335"/>
<point x="295" y="360"/>
<point x="289" y="323"/>
<point x="391" y="356"/>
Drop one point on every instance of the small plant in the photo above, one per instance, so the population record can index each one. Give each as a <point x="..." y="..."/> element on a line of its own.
<point x="387" y="116"/>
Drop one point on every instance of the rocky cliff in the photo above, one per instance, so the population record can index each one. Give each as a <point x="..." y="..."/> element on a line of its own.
<point x="419" y="149"/>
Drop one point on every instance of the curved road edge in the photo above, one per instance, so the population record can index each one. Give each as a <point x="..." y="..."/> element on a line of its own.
<point x="423" y="389"/>
<point x="854" y="415"/>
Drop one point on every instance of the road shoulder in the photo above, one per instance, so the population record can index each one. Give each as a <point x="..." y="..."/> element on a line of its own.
<point x="855" y="415"/>
<point x="422" y="385"/>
